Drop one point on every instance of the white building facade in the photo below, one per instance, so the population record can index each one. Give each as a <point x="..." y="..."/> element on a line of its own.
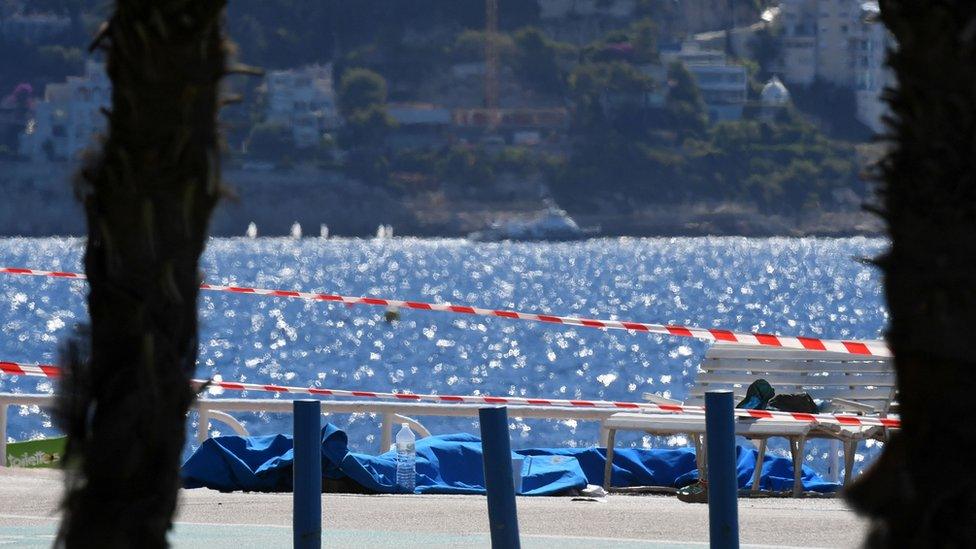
<point x="839" y="42"/>
<point x="723" y="84"/>
<point x="798" y="41"/>
<point x="871" y="75"/>
<point x="837" y="28"/>
<point x="303" y="99"/>
<point x="65" y="122"/>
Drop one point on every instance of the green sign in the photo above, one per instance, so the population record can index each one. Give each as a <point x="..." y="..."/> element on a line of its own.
<point x="45" y="452"/>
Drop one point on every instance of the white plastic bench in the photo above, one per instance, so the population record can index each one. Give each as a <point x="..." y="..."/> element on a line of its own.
<point x="849" y="383"/>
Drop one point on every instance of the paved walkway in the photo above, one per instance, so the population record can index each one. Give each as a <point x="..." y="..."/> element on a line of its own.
<point x="212" y="520"/>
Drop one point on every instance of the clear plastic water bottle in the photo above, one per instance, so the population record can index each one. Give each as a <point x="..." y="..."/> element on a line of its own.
<point x="406" y="448"/>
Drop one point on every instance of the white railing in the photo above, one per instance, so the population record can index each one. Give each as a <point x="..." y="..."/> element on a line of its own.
<point x="390" y="413"/>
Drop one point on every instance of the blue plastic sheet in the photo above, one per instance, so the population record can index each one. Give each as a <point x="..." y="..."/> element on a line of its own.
<point x="452" y="464"/>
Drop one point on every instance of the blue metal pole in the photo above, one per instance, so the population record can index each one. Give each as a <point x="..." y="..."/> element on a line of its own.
<point x="723" y="512"/>
<point x="307" y="511"/>
<point x="497" y="450"/>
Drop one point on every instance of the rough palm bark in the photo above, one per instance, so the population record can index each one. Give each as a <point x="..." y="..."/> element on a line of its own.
<point x="922" y="491"/>
<point x="148" y="196"/>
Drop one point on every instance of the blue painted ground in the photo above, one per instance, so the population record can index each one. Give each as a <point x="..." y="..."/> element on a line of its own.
<point x="216" y="536"/>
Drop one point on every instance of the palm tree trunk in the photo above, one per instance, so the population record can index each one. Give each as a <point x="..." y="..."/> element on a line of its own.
<point x="922" y="491"/>
<point x="148" y="197"/>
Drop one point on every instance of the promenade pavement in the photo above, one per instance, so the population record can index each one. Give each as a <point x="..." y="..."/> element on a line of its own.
<point x="213" y="520"/>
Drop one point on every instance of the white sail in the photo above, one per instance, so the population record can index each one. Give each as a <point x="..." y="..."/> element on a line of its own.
<point x="252" y="230"/>
<point x="296" y="230"/>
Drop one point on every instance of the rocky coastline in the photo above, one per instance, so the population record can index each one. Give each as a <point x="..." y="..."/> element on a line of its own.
<point x="38" y="201"/>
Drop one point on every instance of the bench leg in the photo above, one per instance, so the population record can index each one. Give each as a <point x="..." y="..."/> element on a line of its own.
<point x="701" y="459"/>
<point x="760" y="456"/>
<point x="850" y="448"/>
<point x="608" y="468"/>
<point x="796" y="448"/>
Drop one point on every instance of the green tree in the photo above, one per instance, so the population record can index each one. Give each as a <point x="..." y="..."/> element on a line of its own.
<point x="465" y="168"/>
<point x="596" y="78"/>
<point x="270" y="141"/>
<point x="469" y="46"/>
<point x="834" y="107"/>
<point x="586" y="83"/>
<point x="667" y="14"/>
<point x="765" y="47"/>
<point x="362" y="101"/>
<point x="536" y="61"/>
<point x="590" y="83"/>
<point x="148" y="196"/>
<point x="55" y="61"/>
<point x="928" y="200"/>
<point x="646" y="34"/>
<point x="623" y="77"/>
<point x="684" y="104"/>
<point x="366" y="128"/>
<point x="360" y="89"/>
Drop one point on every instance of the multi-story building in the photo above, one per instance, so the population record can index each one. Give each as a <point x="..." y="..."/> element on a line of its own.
<point x="871" y="75"/>
<point x="63" y="123"/>
<point x="824" y="40"/>
<point x="837" y="25"/>
<point x="722" y="84"/>
<point x="419" y="125"/>
<point x="304" y="100"/>
<point x="798" y="41"/>
<point x="840" y="42"/>
<point x="613" y="101"/>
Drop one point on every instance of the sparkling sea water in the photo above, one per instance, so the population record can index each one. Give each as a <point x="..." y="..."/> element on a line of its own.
<point x="813" y="287"/>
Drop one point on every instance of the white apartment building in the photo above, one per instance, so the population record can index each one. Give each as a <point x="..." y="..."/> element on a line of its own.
<point x="70" y="114"/>
<point x="798" y="41"/>
<point x="871" y="75"/>
<point x="822" y="39"/>
<point x="304" y="100"/>
<point x="840" y="42"/>
<point x="837" y="26"/>
<point x="722" y="84"/>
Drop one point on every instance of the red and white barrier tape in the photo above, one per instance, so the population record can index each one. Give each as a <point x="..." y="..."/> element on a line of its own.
<point x="48" y="371"/>
<point x="866" y="348"/>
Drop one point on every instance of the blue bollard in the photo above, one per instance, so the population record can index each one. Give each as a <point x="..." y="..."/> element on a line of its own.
<point x="723" y="493"/>
<point x="497" y="450"/>
<point x="307" y="507"/>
